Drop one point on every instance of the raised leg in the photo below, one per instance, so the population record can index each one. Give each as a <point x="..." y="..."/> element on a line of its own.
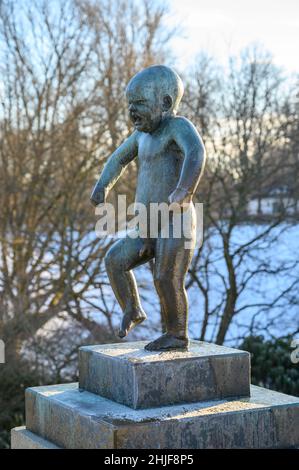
<point x="120" y="259"/>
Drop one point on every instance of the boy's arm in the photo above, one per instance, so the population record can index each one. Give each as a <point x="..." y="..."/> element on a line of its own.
<point x="187" y="138"/>
<point x="113" y="168"/>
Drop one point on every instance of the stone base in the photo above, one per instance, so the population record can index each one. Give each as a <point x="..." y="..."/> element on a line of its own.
<point x="21" y="438"/>
<point x="128" y="374"/>
<point x="72" y="419"/>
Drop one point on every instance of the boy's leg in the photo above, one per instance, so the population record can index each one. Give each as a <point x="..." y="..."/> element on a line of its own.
<point x="121" y="257"/>
<point x="172" y="260"/>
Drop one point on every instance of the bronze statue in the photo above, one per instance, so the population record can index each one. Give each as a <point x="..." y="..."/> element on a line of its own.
<point x="171" y="158"/>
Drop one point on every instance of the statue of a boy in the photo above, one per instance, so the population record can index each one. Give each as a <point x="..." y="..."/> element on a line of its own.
<point x="171" y="159"/>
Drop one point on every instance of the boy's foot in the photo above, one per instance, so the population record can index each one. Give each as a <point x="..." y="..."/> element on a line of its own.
<point x="129" y="321"/>
<point x="168" y="342"/>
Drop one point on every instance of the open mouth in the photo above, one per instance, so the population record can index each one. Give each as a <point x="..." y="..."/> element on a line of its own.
<point x="136" y="119"/>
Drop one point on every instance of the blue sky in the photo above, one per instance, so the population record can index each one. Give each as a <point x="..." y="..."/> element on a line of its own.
<point x="222" y="27"/>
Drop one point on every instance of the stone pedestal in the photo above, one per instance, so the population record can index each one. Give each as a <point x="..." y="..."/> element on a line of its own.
<point x="129" y="398"/>
<point x="21" y="438"/>
<point x="137" y="378"/>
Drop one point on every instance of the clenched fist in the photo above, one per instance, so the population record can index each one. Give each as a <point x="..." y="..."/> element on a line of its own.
<point x="180" y="196"/>
<point x="98" y="195"/>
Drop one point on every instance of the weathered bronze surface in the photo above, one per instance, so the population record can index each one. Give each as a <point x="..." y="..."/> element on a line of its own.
<point x="171" y="159"/>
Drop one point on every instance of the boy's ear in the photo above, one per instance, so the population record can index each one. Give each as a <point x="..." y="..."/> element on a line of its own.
<point x="167" y="103"/>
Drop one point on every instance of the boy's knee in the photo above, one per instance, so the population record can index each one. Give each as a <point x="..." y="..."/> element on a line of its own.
<point x="166" y="281"/>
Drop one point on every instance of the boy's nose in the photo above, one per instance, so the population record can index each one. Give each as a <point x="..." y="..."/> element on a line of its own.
<point x="132" y="107"/>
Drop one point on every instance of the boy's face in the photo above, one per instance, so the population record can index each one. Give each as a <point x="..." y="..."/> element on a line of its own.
<point x="144" y="108"/>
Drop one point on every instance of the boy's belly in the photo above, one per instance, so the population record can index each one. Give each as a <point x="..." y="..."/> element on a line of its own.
<point x="157" y="179"/>
<point x="155" y="182"/>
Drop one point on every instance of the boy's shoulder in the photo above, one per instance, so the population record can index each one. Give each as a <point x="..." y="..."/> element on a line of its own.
<point x="181" y="124"/>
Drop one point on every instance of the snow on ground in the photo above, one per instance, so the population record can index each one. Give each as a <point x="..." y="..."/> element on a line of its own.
<point x="280" y="248"/>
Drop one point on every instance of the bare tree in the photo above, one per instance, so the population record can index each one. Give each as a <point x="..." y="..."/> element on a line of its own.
<point x="243" y="116"/>
<point x="63" y="71"/>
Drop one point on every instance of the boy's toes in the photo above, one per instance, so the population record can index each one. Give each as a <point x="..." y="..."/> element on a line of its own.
<point x="129" y="322"/>
<point x="122" y="333"/>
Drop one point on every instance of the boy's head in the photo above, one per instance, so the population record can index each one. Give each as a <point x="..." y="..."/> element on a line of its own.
<point x="151" y="93"/>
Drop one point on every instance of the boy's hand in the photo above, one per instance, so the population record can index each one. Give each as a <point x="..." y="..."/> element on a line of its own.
<point x="180" y="196"/>
<point x="146" y="249"/>
<point x="98" y="195"/>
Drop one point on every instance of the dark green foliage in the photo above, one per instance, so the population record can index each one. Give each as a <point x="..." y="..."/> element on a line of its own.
<point x="271" y="364"/>
<point x="14" y="379"/>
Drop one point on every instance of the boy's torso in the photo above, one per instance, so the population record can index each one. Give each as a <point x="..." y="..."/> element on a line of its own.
<point x="159" y="165"/>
